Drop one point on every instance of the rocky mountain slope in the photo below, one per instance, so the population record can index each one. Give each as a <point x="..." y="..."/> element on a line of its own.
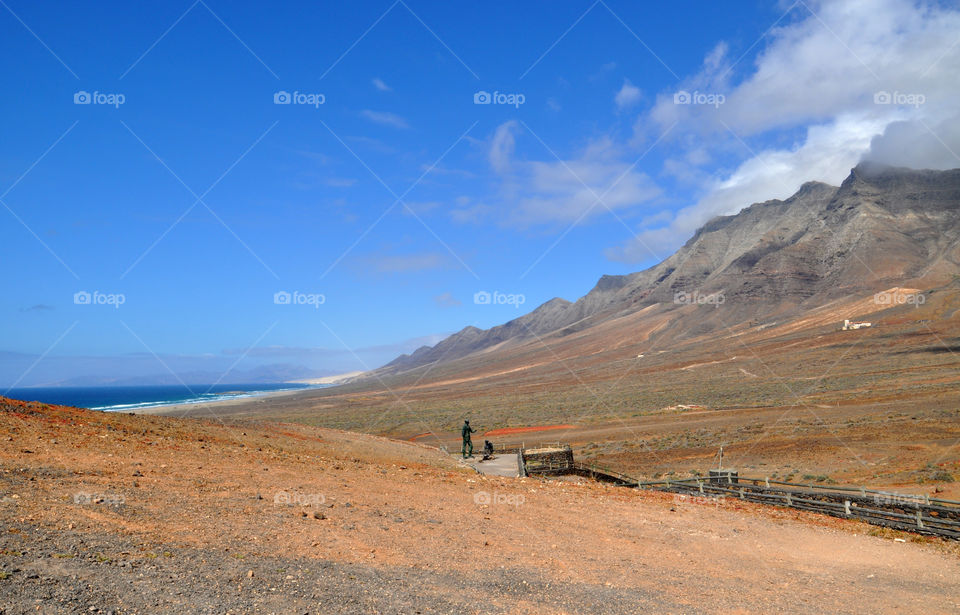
<point x="881" y="227"/>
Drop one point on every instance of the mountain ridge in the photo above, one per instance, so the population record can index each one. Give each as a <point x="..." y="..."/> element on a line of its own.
<point x="882" y="224"/>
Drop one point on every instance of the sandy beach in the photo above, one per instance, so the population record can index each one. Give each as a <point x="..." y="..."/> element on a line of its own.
<point x="329" y="379"/>
<point x="251" y="402"/>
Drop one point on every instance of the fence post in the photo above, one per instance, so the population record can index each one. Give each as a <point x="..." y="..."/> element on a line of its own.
<point x="741" y="493"/>
<point x="846" y="507"/>
<point x="919" y="520"/>
<point x="789" y="499"/>
<point x="700" y="484"/>
<point x="863" y="491"/>
<point x="767" y="480"/>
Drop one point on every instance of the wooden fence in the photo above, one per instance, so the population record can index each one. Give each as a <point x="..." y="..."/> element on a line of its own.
<point x="915" y="513"/>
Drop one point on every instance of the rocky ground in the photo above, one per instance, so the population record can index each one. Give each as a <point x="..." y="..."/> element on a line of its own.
<point x="114" y="513"/>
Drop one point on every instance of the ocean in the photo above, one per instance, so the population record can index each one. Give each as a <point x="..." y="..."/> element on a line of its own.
<point x="129" y="398"/>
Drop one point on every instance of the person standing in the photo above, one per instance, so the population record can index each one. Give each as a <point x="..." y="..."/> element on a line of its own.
<point x="467" y="448"/>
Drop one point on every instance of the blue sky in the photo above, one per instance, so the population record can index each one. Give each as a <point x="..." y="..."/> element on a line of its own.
<point x="184" y="191"/>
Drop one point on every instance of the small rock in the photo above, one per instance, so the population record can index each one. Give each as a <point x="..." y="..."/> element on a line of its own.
<point x="319" y="515"/>
<point x="250" y="574"/>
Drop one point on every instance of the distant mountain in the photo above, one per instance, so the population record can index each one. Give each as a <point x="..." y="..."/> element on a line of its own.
<point x="881" y="227"/>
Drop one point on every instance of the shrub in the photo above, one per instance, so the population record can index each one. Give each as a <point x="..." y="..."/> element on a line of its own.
<point x="942" y="476"/>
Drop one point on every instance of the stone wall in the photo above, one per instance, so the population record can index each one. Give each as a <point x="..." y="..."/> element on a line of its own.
<point x="550" y="459"/>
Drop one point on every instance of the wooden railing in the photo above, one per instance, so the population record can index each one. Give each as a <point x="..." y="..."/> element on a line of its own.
<point x="915" y="513"/>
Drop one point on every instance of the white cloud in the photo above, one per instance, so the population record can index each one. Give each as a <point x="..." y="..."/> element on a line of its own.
<point x="386" y="118"/>
<point x="373" y="144"/>
<point x="572" y="190"/>
<point x="447" y="300"/>
<point x="468" y="211"/>
<point x="502" y="146"/>
<point x="628" y="96"/>
<point x="818" y="75"/>
<point x="820" y="67"/>
<point x="919" y="144"/>
<point x="563" y="191"/>
<point x="380" y="85"/>
<point x="420" y="207"/>
<point x="827" y="155"/>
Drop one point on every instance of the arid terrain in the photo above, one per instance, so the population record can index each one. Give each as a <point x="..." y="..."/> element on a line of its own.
<point x="348" y="499"/>
<point x="115" y="513"/>
<point x="797" y="400"/>
<point x="736" y="340"/>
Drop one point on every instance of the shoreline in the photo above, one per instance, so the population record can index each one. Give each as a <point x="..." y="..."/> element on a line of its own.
<point x="187" y="406"/>
<point x="329" y="379"/>
<point x="247" y="394"/>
